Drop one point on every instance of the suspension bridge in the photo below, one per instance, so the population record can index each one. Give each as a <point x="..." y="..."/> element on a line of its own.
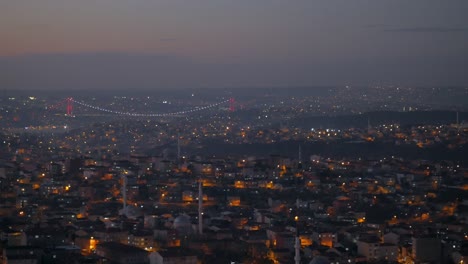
<point x="69" y="105"/>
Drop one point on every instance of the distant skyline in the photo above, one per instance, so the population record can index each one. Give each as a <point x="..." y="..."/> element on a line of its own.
<point x="168" y="44"/>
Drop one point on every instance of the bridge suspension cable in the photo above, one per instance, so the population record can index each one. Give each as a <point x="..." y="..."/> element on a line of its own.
<point x="149" y="114"/>
<point x="57" y="105"/>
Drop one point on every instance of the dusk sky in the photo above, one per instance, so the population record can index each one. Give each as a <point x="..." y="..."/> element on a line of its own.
<point x="164" y="44"/>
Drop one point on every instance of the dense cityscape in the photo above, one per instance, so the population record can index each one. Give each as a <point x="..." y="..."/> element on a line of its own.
<point x="326" y="175"/>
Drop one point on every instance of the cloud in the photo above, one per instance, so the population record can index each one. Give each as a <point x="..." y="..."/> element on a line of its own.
<point x="427" y="29"/>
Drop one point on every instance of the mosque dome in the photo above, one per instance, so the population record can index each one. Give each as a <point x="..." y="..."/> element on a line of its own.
<point x="132" y="212"/>
<point x="183" y="224"/>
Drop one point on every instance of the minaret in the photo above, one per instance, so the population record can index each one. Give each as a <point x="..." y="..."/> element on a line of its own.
<point x="297" y="246"/>
<point x="200" y="207"/>
<point x="369" y="127"/>
<point x="300" y="154"/>
<point x="178" y="148"/>
<point x="124" y="194"/>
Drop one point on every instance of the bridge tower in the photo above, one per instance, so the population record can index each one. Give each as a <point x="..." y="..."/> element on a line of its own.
<point x="232" y="104"/>
<point x="69" y="106"/>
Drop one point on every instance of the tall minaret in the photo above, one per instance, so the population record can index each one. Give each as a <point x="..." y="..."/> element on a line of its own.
<point x="178" y="148"/>
<point x="297" y="246"/>
<point x="124" y="194"/>
<point x="300" y="154"/>
<point x="369" y="127"/>
<point x="200" y="207"/>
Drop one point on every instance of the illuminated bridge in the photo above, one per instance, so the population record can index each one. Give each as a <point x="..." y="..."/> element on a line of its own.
<point x="70" y="103"/>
